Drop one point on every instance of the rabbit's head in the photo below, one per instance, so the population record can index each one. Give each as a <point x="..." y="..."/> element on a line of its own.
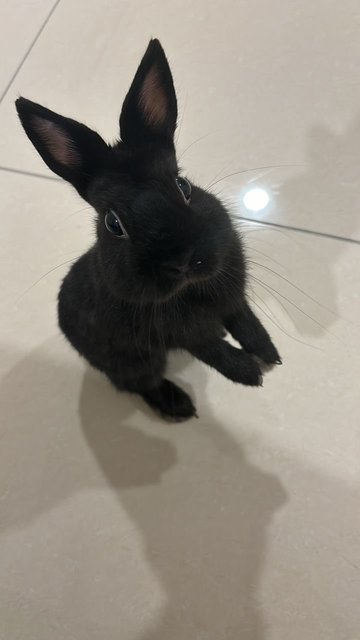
<point x="157" y="233"/>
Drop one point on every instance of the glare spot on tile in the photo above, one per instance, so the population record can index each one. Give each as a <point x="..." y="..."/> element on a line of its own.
<point x="256" y="199"/>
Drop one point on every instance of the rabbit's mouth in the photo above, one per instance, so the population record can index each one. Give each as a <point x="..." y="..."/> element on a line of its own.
<point x="175" y="284"/>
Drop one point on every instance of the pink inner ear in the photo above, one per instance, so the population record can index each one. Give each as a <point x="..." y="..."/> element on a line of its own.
<point x="57" y="142"/>
<point x="153" y="99"/>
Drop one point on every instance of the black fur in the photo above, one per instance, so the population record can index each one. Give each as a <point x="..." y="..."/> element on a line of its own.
<point x="178" y="278"/>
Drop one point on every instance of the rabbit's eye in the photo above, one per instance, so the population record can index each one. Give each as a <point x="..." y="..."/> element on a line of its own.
<point x="114" y="225"/>
<point x="185" y="187"/>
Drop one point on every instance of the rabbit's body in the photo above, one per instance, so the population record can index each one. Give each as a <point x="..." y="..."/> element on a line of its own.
<point x="168" y="268"/>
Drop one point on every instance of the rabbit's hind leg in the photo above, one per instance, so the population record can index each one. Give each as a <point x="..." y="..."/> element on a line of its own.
<point x="143" y="375"/>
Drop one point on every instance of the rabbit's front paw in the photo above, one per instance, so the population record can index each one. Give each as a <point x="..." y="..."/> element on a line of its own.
<point x="246" y="370"/>
<point x="266" y="351"/>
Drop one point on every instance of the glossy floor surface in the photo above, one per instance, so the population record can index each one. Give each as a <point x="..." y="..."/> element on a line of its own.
<point x="244" y="524"/>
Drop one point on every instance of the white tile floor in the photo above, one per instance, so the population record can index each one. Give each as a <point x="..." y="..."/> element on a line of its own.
<point x="245" y="524"/>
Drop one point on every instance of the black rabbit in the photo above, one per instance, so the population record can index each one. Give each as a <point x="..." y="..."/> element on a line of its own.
<point x="168" y="268"/>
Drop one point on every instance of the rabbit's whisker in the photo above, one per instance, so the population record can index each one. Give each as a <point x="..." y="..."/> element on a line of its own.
<point x="42" y="277"/>
<point x="236" y="173"/>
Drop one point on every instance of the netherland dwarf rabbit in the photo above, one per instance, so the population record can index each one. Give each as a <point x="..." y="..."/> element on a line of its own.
<point x="167" y="270"/>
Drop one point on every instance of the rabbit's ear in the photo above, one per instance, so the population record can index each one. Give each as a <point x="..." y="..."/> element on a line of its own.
<point x="69" y="148"/>
<point x="149" y="111"/>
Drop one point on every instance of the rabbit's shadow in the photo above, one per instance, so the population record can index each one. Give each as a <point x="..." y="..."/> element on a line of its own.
<point x="328" y="191"/>
<point x="204" y="528"/>
<point x="200" y="506"/>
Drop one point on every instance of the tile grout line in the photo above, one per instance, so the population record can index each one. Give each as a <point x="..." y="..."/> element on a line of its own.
<point x="321" y="234"/>
<point x="18" y="68"/>
<point x="31" y="174"/>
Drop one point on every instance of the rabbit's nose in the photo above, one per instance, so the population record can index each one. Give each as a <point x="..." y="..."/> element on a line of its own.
<point x="178" y="266"/>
